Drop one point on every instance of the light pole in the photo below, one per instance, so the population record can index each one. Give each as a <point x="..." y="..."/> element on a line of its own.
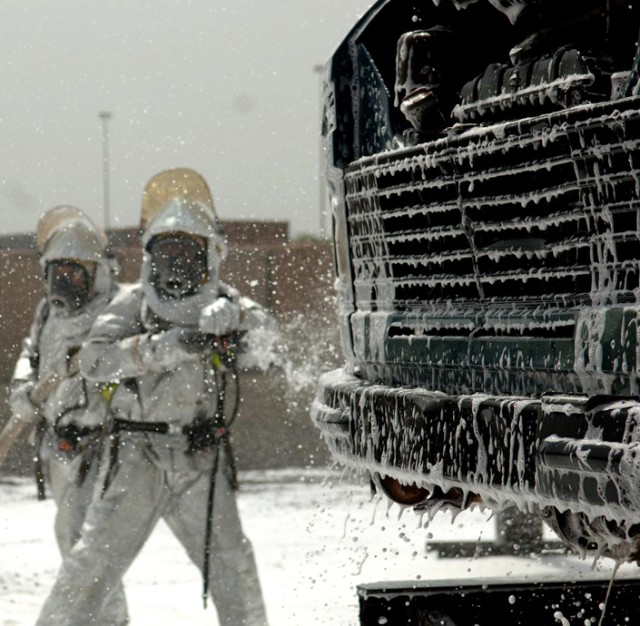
<point x="105" y="116"/>
<point x="319" y="69"/>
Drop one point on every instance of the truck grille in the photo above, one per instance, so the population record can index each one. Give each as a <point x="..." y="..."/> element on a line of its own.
<point x="531" y="213"/>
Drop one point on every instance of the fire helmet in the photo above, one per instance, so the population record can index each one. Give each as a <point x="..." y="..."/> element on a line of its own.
<point x="74" y="259"/>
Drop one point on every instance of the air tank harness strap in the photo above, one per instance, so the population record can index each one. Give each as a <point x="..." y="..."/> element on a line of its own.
<point x="201" y="434"/>
<point x="130" y="426"/>
<point x="41" y="427"/>
<point x="223" y="360"/>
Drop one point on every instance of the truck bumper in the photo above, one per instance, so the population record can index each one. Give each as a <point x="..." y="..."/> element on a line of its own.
<point x="567" y="452"/>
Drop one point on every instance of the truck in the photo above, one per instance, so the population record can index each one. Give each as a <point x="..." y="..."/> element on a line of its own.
<point x="483" y="170"/>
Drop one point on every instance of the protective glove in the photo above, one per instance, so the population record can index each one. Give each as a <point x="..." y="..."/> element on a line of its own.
<point x="220" y="318"/>
<point x="21" y="404"/>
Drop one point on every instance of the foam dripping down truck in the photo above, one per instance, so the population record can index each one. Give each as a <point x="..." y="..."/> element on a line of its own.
<point x="484" y="177"/>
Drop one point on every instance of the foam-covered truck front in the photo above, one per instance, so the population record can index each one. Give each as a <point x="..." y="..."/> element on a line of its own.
<point x="484" y="175"/>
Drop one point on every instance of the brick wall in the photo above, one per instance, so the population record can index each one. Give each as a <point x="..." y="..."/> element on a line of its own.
<point x="294" y="280"/>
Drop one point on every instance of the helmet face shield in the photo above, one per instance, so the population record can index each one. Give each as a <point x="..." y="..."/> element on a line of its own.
<point x="69" y="284"/>
<point x="178" y="265"/>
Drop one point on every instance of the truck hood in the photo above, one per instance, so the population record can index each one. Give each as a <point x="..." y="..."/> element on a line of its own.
<point x="511" y="8"/>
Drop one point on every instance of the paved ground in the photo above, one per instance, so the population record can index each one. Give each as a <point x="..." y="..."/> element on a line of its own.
<point x="314" y="539"/>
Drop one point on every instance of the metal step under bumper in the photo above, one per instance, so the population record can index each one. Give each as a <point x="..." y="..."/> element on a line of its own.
<point x="492" y="602"/>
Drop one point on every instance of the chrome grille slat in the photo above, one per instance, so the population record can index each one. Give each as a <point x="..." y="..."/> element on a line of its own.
<point x="545" y="214"/>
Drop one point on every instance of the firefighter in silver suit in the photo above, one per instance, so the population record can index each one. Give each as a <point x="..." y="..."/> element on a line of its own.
<point x="47" y="389"/>
<point x="166" y="342"/>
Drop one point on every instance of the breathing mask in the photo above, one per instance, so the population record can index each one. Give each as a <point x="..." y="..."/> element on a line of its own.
<point x="69" y="284"/>
<point x="178" y="265"/>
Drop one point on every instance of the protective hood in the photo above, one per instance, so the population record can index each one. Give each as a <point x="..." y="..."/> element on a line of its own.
<point x="184" y="216"/>
<point x="65" y="233"/>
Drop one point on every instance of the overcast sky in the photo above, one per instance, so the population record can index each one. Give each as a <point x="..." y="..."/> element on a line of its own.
<point x="226" y="87"/>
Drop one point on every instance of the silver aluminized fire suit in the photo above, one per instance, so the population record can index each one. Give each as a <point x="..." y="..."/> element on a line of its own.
<point x="73" y="409"/>
<point x="164" y="386"/>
